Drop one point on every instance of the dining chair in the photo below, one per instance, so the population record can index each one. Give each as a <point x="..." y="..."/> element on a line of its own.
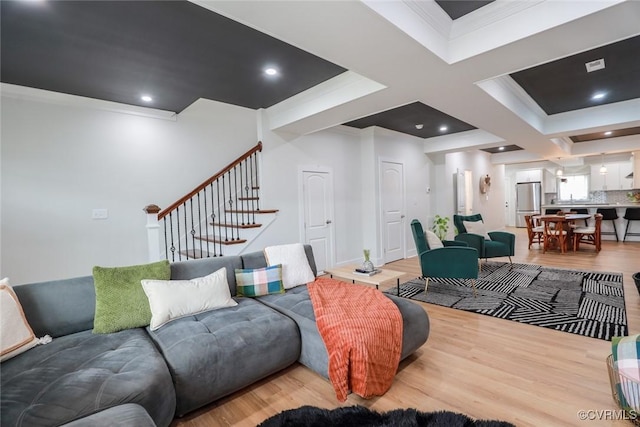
<point x="589" y="235"/>
<point x="554" y="235"/>
<point x="534" y="231"/>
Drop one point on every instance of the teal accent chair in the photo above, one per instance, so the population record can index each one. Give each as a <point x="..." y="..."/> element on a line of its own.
<point x="455" y="260"/>
<point x="501" y="244"/>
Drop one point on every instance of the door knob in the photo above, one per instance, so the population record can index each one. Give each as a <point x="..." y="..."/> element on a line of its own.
<point x="328" y="221"/>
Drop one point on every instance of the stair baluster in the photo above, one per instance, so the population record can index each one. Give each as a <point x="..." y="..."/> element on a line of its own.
<point x="211" y="216"/>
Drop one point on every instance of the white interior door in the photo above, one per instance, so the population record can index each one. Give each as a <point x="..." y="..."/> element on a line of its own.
<point x="509" y="203"/>
<point x="317" y="191"/>
<point x="393" y="202"/>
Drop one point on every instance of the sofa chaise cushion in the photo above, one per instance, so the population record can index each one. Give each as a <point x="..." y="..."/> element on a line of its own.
<point x="296" y="304"/>
<point x="127" y="415"/>
<point x="215" y="353"/>
<point x="83" y="373"/>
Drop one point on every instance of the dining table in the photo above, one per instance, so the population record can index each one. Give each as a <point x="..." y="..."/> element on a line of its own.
<point x="558" y="229"/>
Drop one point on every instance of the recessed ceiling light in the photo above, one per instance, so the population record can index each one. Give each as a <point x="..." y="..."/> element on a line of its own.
<point x="607" y="133"/>
<point x="146" y="98"/>
<point x="501" y="148"/>
<point x="443" y="128"/>
<point x="270" y="71"/>
<point x="419" y="126"/>
<point x="598" y="96"/>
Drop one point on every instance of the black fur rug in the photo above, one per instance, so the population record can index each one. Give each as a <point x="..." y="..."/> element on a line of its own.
<point x="310" y="416"/>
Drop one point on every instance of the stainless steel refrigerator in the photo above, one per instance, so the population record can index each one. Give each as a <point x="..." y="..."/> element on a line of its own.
<point x="528" y="201"/>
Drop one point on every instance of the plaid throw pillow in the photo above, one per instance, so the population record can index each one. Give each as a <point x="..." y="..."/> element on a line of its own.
<point x="259" y="281"/>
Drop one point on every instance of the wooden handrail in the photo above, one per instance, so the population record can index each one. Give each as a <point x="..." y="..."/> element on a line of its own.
<point x="200" y="187"/>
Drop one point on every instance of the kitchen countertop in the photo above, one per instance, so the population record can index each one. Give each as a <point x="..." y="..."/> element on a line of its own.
<point x="592" y="205"/>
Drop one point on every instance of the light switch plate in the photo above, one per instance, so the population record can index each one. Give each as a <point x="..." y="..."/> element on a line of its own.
<point x="99" y="214"/>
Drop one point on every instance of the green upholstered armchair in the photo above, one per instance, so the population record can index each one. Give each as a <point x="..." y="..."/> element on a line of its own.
<point x="454" y="260"/>
<point x="501" y="244"/>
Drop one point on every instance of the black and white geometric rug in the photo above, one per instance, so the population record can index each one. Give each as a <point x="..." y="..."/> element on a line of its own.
<point x="586" y="303"/>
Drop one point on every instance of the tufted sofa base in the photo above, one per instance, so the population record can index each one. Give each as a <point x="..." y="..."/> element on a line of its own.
<point x="218" y="352"/>
<point x="79" y="374"/>
<point x="83" y="377"/>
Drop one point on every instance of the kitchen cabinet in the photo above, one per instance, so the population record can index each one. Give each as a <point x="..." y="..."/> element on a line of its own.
<point x="598" y="182"/>
<point x="550" y="182"/>
<point x="615" y="178"/>
<point x="636" y="169"/>
<point x="625" y="169"/>
<point x="529" y="175"/>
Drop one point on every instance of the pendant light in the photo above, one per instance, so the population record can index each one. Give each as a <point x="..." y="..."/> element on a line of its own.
<point x="603" y="168"/>
<point x="560" y="170"/>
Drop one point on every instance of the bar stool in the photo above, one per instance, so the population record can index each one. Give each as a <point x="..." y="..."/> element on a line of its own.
<point x="583" y="211"/>
<point x="609" y="214"/>
<point x="631" y="214"/>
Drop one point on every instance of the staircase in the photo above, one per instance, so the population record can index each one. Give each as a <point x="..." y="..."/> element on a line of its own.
<point x="219" y="217"/>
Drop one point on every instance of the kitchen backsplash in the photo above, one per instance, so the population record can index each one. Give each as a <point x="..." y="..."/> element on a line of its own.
<point x="617" y="196"/>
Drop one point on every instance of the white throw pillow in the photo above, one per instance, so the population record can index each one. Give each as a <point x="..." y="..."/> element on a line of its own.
<point x="433" y="241"/>
<point x="476" y="227"/>
<point x="16" y="336"/>
<point x="172" y="299"/>
<point x="295" y="265"/>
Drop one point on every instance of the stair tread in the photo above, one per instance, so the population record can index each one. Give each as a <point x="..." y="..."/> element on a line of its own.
<point x="255" y="211"/>
<point x="218" y="239"/>
<point x="197" y="254"/>
<point x="234" y="225"/>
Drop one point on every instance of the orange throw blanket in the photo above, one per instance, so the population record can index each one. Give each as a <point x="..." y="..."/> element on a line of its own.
<point x="362" y="330"/>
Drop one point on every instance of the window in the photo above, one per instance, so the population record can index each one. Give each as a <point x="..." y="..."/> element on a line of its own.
<point x="573" y="187"/>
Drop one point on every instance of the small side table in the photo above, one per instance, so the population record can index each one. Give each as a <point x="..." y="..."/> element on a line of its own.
<point x="385" y="275"/>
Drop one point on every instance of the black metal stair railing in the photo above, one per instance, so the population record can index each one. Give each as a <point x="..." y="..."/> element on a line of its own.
<point x="210" y="217"/>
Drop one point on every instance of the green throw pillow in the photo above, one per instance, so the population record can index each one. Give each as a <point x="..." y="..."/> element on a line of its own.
<point x="120" y="299"/>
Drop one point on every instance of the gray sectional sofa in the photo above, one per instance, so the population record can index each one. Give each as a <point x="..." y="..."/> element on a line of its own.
<point x="139" y="375"/>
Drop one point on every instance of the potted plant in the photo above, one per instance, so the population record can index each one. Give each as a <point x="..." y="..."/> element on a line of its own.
<point x="440" y="226"/>
<point x="367" y="265"/>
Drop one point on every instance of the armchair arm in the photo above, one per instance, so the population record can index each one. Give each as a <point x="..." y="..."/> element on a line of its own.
<point x="452" y="261"/>
<point x="454" y="243"/>
<point x="507" y="238"/>
<point x="473" y="240"/>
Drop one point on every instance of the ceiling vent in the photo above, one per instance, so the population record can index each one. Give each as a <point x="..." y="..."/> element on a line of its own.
<point x="598" y="64"/>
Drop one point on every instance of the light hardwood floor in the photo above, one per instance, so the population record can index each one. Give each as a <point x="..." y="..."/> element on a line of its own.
<point x="484" y="367"/>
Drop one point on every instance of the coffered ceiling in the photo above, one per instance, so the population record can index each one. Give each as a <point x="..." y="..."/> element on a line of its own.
<point x="508" y="74"/>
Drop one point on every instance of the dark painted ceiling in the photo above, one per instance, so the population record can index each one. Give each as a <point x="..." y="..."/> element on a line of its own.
<point x="404" y="119"/>
<point x="502" y="149"/>
<point x="604" y="135"/>
<point x="559" y="86"/>
<point x="458" y="8"/>
<point x="175" y="51"/>
<point x="565" y="85"/>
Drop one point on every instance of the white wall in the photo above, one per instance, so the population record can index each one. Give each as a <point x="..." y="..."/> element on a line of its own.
<point x="490" y="205"/>
<point x="59" y="162"/>
<point x="408" y="150"/>
<point x="336" y="149"/>
<point x="353" y="157"/>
